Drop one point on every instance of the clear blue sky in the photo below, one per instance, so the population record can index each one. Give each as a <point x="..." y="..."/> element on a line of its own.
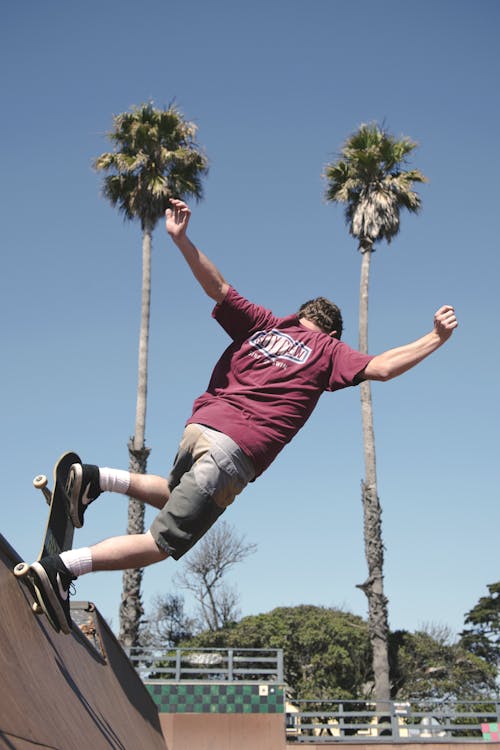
<point x="275" y="88"/>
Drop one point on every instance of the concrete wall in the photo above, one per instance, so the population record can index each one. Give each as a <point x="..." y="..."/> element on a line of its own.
<point x="224" y="731"/>
<point x="267" y="732"/>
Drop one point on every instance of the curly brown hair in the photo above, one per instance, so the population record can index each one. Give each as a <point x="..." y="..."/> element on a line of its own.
<point x="324" y="313"/>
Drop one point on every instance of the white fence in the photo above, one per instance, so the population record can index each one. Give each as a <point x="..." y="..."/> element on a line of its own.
<point x="213" y="664"/>
<point x="357" y="721"/>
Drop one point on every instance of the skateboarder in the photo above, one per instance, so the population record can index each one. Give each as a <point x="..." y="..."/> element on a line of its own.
<point x="261" y="392"/>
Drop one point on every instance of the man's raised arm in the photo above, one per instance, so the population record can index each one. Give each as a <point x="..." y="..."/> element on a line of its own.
<point x="208" y="275"/>
<point x="396" y="361"/>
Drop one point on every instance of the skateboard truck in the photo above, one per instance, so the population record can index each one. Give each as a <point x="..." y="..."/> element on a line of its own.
<point x="20" y="571"/>
<point x="40" y="483"/>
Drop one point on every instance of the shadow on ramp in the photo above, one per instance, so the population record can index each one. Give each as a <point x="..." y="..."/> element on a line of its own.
<point x="66" y="692"/>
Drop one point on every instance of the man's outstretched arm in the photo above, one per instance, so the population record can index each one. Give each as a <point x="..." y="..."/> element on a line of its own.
<point x="208" y="275"/>
<point x="396" y="361"/>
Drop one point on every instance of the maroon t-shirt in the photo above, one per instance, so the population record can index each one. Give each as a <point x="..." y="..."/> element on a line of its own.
<point x="268" y="381"/>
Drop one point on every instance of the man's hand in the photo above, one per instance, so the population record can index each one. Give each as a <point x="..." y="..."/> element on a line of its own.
<point x="177" y="218"/>
<point x="205" y="272"/>
<point x="445" y="322"/>
<point x="396" y="361"/>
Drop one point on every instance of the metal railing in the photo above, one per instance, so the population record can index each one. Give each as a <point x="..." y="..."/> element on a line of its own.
<point x="209" y="664"/>
<point x="357" y="721"/>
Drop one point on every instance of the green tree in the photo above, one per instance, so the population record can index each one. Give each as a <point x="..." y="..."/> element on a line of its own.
<point x="429" y="665"/>
<point x="482" y="637"/>
<point x="370" y="181"/>
<point x="155" y="158"/>
<point x="326" y="651"/>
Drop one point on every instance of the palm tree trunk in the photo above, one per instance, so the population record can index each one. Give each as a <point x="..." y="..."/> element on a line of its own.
<point x="372" y="513"/>
<point x="131" y="609"/>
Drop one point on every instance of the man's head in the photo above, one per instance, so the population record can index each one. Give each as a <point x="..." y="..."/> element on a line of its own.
<point x="324" y="314"/>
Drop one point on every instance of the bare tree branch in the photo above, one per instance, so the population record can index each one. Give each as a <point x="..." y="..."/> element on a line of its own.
<point x="204" y="570"/>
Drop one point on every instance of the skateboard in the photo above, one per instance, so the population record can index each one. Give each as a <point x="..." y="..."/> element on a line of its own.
<point x="59" y="530"/>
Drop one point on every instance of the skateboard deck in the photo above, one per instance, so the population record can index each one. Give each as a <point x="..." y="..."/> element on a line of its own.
<point x="59" y="529"/>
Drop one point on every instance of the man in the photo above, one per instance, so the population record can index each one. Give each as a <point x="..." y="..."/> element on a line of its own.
<point x="262" y="390"/>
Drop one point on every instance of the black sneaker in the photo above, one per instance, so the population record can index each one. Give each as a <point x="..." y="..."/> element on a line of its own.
<point x="82" y="487"/>
<point x="52" y="581"/>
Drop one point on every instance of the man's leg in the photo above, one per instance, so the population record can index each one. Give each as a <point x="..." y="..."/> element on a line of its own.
<point x="150" y="489"/>
<point x="55" y="573"/>
<point x="198" y="499"/>
<point x="87" y="481"/>
<point x="123" y="552"/>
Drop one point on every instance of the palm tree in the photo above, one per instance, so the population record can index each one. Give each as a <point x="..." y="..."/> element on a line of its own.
<point x="155" y="158"/>
<point x="370" y="181"/>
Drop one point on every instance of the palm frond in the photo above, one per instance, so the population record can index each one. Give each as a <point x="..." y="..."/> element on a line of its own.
<point x="155" y="158"/>
<point x="369" y="179"/>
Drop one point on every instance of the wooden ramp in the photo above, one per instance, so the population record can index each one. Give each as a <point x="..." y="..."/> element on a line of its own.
<point x="66" y="692"/>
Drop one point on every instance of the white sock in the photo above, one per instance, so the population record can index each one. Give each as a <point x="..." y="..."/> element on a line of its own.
<point x="78" y="561"/>
<point x="114" y="480"/>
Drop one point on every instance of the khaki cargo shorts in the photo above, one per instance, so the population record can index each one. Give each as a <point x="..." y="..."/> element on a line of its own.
<point x="209" y="470"/>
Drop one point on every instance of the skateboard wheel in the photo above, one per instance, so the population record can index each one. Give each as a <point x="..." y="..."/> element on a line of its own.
<point x="21" y="569"/>
<point x="37" y="608"/>
<point x="40" y="481"/>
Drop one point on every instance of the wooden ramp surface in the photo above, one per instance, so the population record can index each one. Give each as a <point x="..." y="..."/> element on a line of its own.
<point x="58" y="691"/>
